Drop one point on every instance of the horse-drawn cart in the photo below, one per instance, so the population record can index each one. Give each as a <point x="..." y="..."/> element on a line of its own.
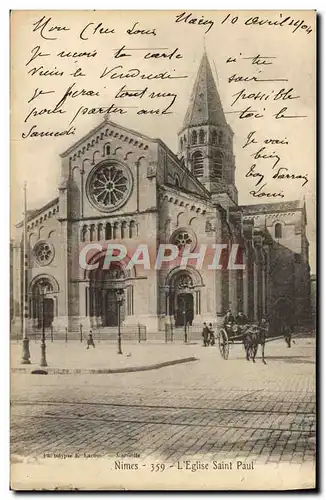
<point x="250" y="335"/>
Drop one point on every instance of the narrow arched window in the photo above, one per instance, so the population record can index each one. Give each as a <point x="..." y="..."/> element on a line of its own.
<point x="181" y="143"/>
<point x="84" y="233"/>
<point x="198" y="164"/>
<point x="100" y="232"/>
<point x="132" y="229"/>
<point x="177" y="181"/>
<point x="278" y="230"/>
<point x="217" y="163"/>
<point x="115" y="230"/>
<point x="92" y="232"/>
<point x="214" y="137"/>
<point x="220" y="137"/>
<point x="124" y="233"/>
<point x="202" y="136"/>
<point x="194" y="137"/>
<point x="108" y="231"/>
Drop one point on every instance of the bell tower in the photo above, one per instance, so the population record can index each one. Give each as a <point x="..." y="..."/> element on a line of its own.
<point x="206" y="140"/>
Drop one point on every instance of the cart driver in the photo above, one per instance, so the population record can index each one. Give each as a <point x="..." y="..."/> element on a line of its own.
<point x="228" y="319"/>
<point x="241" y="319"/>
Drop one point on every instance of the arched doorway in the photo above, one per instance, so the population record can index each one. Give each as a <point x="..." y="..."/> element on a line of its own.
<point x="42" y="302"/>
<point x="182" y="298"/>
<point x="106" y="285"/>
<point x="185" y="309"/>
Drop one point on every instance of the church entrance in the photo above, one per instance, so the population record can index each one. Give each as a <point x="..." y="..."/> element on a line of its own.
<point x="48" y="305"/>
<point x="185" y="309"/>
<point x="110" y="315"/>
<point x="109" y="295"/>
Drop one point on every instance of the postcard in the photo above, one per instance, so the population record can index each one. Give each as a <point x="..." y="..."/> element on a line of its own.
<point x="163" y="250"/>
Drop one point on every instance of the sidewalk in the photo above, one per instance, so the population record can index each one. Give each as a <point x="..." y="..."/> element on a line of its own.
<point x="73" y="357"/>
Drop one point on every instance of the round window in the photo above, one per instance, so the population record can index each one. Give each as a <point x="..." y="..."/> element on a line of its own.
<point x="109" y="186"/>
<point x="44" y="253"/>
<point x="182" y="237"/>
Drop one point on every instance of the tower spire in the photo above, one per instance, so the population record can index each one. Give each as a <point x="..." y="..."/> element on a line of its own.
<point x="206" y="140"/>
<point x="205" y="107"/>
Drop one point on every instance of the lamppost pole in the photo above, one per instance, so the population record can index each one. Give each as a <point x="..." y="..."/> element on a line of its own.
<point x="119" y="303"/>
<point x="43" y="345"/>
<point x="25" y="360"/>
<point x="185" y="320"/>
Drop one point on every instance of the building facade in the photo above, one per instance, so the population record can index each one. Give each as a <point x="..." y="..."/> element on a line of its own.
<point x="120" y="186"/>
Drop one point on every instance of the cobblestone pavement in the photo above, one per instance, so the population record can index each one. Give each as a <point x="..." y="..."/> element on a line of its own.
<point x="211" y="408"/>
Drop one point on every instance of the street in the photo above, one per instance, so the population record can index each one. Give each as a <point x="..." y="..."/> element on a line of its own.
<point x="210" y="408"/>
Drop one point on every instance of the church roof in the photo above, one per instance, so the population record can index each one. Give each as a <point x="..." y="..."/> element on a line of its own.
<point x="31" y="214"/>
<point x="281" y="206"/>
<point x="205" y="105"/>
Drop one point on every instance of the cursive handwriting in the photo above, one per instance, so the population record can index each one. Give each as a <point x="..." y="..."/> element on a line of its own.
<point x="260" y="193"/>
<point x="38" y="93"/>
<point x="33" y="132"/>
<point x="36" y="52"/>
<point x="260" y="21"/>
<point x="283" y="174"/>
<point x="136" y="73"/>
<point x="44" y="26"/>
<point x="134" y="31"/>
<point x="70" y="92"/>
<point x="99" y="29"/>
<point x="189" y="19"/>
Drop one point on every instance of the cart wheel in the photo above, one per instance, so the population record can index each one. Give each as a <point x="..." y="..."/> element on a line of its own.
<point x="223" y="343"/>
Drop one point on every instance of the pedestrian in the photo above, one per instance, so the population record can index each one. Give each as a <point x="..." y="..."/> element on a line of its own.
<point x="90" y="340"/>
<point x="211" y="334"/>
<point x="205" y="335"/>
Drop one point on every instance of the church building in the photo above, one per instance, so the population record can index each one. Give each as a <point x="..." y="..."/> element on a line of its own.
<point x="118" y="185"/>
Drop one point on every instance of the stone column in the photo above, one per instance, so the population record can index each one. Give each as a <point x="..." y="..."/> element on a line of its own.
<point x="220" y="274"/>
<point x="233" y="291"/>
<point x="258" y="268"/>
<point x="245" y="284"/>
<point x="17" y="288"/>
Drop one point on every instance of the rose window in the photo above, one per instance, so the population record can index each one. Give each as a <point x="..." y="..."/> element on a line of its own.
<point x="184" y="237"/>
<point x="44" y="253"/>
<point x="110" y="186"/>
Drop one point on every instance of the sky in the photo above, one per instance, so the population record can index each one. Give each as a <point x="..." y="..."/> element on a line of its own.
<point x="285" y="52"/>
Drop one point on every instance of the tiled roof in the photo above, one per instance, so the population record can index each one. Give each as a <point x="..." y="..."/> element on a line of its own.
<point x="205" y="106"/>
<point x="281" y="206"/>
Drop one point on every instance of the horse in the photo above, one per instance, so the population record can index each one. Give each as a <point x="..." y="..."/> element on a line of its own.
<point x="253" y="336"/>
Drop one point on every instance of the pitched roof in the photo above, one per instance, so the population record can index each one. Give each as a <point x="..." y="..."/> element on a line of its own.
<point x="205" y="105"/>
<point x="31" y="214"/>
<point x="281" y="206"/>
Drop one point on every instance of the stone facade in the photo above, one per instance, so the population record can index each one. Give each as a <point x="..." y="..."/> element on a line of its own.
<point x="123" y="187"/>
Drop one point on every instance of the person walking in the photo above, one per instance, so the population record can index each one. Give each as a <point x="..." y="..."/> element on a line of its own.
<point x="211" y="340"/>
<point x="90" y="340"/>
<point x="205" y="335"/>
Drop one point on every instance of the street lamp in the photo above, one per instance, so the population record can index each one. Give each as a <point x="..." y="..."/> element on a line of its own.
<point x="120" y="299"/>
<point x="185" y="320"/>
<point x="43" y="289"/>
